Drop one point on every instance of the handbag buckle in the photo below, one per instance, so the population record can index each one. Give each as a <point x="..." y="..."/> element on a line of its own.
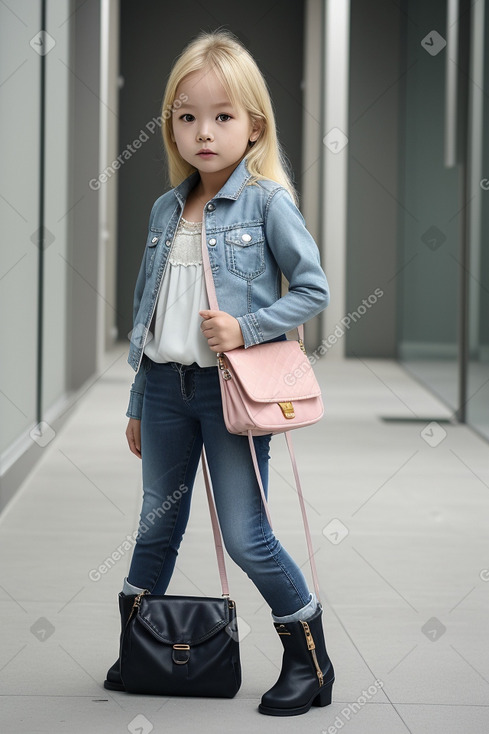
<point x="288" y="410"/>
<point x="179" y="657"/>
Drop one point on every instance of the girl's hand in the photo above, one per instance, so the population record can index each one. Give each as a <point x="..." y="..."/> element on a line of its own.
<point x="133" y="435"/>
<point x="221" y="330"/>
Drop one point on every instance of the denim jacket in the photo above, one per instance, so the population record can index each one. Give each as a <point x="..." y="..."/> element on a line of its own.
<point x="254" y="233"/>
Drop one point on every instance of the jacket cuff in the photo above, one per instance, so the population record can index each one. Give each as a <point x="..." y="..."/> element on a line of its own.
<point x="250" y="329"/>
<point x="135" y="407"/>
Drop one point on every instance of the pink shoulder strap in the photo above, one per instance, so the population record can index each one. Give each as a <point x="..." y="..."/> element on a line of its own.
<point x="215" y="528"/>
<point x="215" y="523"/>
<point x="211" y="294"/>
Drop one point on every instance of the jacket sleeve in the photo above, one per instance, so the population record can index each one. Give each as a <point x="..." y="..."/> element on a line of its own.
<point x="297" y="256"/>
<point x="135" y="406"/>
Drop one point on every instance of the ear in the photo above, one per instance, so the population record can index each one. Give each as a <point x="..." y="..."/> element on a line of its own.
<point x="256" y="130"/>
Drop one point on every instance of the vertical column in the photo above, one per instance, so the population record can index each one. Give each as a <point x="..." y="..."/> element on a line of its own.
<point x="312" y="136"/>
<point x="335" y="165"/>
<point x="86" y="298"/>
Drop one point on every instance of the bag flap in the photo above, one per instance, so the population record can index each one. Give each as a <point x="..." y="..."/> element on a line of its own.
<point x="273" y="372"/>
<point x="183" y="619"/>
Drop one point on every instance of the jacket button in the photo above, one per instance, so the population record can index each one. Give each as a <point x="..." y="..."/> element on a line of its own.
<point x="168" y="243"/>
<point x="246" y="237"/>
<point x="210" y="207"/>
<point x="155" y="239"/>
<point x="212" y="242"/>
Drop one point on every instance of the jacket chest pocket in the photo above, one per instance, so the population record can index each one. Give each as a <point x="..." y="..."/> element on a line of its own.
<point x="245" y="251"/>
<point x="154" y="237"/>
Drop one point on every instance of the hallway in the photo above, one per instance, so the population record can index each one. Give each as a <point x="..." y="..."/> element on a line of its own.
<point x="398" y="512"/>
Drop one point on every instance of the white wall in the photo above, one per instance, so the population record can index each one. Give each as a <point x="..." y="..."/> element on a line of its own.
<point x="19" y="203"/>
<point x="57" y="202"/>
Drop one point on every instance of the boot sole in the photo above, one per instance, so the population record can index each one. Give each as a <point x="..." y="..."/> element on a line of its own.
<point x="321" y="698"/>
<point x="113" y="686"/>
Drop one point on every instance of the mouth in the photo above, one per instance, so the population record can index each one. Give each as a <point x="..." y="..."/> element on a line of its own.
<point x="206" y="153"/>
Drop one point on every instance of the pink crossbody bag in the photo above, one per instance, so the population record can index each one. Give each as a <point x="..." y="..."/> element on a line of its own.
<point x="267" y="388"/>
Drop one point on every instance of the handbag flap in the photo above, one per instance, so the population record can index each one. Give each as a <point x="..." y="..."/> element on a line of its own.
<point x="183" y="619"/>
<point x="274" y="372"/>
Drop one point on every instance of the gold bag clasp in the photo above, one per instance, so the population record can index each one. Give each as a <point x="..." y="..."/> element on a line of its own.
<point x="288" y="410"/>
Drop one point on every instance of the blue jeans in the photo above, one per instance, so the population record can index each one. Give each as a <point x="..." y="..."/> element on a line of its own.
<point x="182" y="409"/>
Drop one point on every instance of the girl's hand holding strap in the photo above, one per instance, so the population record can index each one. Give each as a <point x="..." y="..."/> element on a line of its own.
<point x="221" y="330"/>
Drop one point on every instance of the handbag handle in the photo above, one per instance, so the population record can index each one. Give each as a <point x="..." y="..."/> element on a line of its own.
<point x="215" y="528"/>
<point x="212" y="298"/>
<point x="305" y="522"/>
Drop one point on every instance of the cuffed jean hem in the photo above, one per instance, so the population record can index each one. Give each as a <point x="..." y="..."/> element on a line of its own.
<point x="130" y="590"/>
<point x="302" y="614"/>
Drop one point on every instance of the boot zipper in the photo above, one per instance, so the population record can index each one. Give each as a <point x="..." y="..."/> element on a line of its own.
<point x="137" y="600"/>
<point x="137" y="603"/>
<point x="312" y="647"/>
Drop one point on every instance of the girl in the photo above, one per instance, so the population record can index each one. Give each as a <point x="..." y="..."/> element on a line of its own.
<point x="225" y="163"/>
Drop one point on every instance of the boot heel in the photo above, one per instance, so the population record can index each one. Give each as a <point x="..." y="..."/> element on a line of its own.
<point x="324" y="696"/>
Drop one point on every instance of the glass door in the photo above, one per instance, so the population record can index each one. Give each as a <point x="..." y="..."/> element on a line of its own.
<point x="477" y="400"/>
<point x="444" y="255"/>
<point x="429" y="288"/>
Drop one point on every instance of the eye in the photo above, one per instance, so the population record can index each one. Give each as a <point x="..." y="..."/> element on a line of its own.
<point x="187" y="115"/>
<point x="223" y="114"/>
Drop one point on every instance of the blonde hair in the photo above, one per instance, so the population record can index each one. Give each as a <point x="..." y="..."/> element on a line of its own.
<point x="245" y="87"/>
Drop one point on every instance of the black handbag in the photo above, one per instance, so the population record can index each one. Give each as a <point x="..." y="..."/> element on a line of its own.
<point x="183" y="645"/>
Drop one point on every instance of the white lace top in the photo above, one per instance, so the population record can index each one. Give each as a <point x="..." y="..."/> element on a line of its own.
<point x="175" y="334"/>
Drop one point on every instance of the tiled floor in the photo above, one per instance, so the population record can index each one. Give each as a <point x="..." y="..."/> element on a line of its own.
<point x="399" y="514"/>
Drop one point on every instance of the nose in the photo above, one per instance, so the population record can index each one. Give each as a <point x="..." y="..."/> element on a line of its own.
<point x="203" y="135"/>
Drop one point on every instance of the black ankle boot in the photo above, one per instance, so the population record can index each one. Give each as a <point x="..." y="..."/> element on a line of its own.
<point x="307" y="674"/>
<point x="114" y="680"/>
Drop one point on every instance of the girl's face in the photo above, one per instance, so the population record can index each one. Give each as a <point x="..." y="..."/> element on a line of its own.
<point x="210" y="133"/>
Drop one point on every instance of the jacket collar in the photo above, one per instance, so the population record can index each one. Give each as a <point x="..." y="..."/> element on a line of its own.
<point x="231" y="189"/>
